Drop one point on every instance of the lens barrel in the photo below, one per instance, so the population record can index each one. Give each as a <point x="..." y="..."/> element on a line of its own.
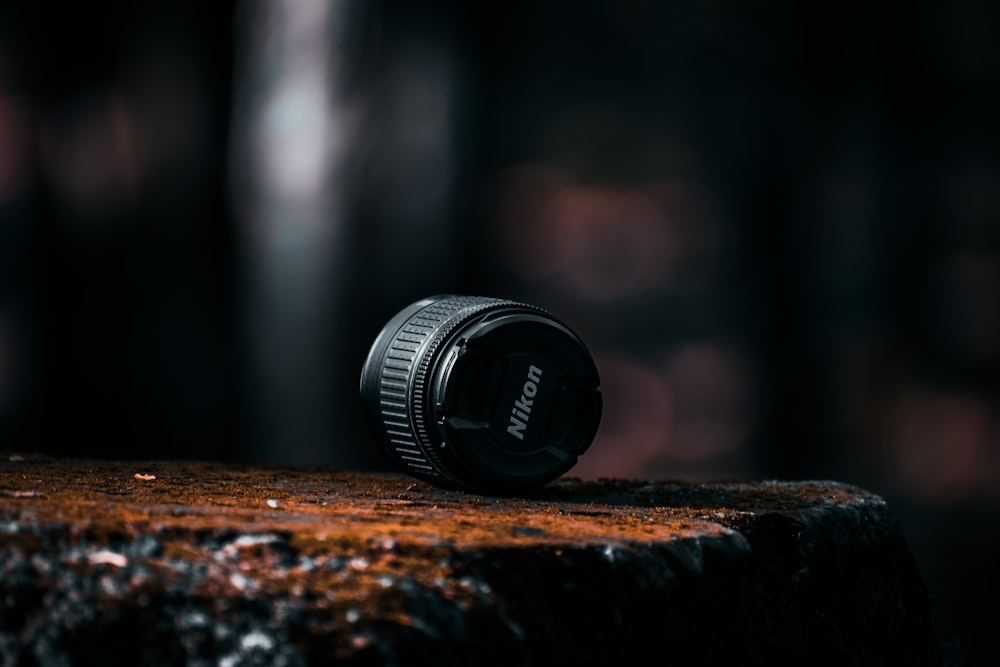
<point x="480" y="394"/>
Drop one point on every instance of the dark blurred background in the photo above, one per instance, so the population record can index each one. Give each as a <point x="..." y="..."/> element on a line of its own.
<point x="777" y="225"/>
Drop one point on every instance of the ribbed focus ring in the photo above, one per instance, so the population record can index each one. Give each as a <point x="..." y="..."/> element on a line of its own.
<point x="398" y="388"/>
<point x="395" y="387"/>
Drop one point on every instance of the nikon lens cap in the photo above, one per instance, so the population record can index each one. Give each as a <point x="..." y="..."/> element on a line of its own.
<point x="481" y="394"/>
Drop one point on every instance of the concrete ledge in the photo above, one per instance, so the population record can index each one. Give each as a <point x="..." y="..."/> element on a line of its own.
<point x="200" y="563"/>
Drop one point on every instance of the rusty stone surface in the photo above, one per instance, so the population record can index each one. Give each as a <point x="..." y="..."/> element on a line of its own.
<point x="200" y="563"/>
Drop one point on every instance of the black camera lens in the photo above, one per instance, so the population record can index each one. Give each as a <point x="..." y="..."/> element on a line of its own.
<point x="481" y="394"/>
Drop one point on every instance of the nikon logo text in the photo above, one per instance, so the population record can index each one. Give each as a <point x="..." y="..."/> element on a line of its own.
<point x="521" y="412"/>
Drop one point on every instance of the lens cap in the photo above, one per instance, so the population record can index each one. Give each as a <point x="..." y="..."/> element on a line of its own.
<point x="481" y="394"/>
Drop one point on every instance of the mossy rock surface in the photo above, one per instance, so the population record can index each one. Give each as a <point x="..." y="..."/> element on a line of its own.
<point x="202" y="563"/>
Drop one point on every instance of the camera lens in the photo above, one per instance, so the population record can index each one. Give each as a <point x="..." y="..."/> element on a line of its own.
<point x="480" y="394"/>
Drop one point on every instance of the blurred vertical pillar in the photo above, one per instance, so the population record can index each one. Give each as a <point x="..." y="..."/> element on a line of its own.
<point x="290" y="198"/>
